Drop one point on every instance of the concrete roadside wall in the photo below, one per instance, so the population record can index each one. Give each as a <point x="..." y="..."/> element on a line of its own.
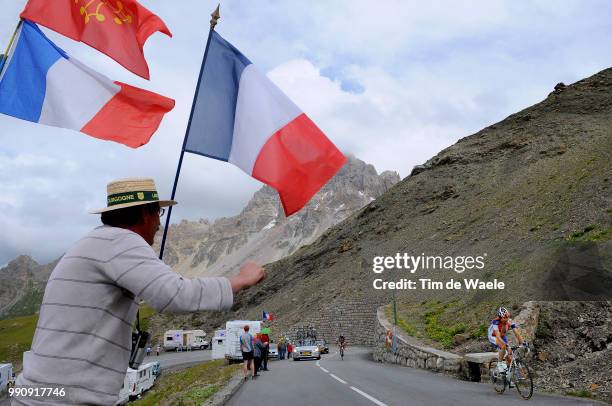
<point x="410" y="352"/>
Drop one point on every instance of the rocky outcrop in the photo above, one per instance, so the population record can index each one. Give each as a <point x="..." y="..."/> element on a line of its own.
<point x="573" y="342"/>
<point x="22" y="284"/>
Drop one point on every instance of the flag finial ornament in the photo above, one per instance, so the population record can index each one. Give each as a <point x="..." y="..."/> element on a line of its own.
<point x="215" y="16"/>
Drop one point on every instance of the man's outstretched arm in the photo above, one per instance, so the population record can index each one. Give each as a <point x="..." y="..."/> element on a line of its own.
<point x="142" y="273"/>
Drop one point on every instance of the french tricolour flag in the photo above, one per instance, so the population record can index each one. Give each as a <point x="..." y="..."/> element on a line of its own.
<point x="267" y="316"/>
<point x="42" y="84"/>
<point x="241" y="117"/>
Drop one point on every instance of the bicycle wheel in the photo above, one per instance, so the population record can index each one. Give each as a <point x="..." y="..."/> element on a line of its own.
<point x="498" y="380"/>
<point x="523" y="380"/>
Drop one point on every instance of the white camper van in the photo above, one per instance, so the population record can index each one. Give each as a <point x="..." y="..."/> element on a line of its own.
<point x="185" y="340"/>
<point x="137" y="381"/>
<point x="218" y="345"/>
<point x="233" y="330"/>
<point x="6" y="376"/>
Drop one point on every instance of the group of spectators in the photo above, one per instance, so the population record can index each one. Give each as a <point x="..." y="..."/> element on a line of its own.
<point x="285" y="349"/>
<point x="255" y="351"/>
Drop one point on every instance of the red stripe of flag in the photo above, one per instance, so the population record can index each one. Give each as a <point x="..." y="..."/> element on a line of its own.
<point x="297" y="161"/>
<point x="130" y="117"/>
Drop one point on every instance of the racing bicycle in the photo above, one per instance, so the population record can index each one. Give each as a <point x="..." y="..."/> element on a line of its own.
<point x="518" y="373"/>
<point x="342" y="351"/>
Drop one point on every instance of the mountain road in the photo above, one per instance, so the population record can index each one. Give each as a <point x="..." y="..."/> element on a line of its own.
<point x="358" y="380"/>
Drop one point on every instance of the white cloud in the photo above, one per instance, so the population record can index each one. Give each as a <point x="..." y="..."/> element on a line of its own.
<point x="392" y="82"/>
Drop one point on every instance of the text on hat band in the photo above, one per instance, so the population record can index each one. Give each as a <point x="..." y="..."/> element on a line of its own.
<point x="129" y="197"/>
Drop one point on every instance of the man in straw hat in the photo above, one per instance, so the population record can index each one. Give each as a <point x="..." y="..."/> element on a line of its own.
<point x="83" y="337"/>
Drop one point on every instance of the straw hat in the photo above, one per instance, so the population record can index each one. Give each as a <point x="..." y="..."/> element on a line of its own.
<point x="130" y="192"/>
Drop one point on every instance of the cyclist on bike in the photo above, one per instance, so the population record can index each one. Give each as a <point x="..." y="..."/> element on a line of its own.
<point x="497" y="336"/>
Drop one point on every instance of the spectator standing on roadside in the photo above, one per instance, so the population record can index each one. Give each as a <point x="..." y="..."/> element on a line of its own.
<point x="96" y="288"/>
<point x="265" y="339"/>
<point x="258" y="349"/>
<point x="289" y="350"/>
<point x="246" y="346"/>
<point x="157" y="350"/>
<point x="282" y="348"/>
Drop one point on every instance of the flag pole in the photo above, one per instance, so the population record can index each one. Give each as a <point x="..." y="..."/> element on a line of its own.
<point x="10" y="44"/>
<point x="213" y="22"/>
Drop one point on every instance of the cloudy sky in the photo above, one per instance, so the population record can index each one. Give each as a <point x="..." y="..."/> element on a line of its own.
<point x="392" y="82"/>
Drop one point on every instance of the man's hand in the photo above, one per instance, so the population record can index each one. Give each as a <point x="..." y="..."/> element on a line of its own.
<point x="250" y="274"/>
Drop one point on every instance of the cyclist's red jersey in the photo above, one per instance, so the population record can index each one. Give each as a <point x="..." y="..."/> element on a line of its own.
<point x="503" y="328"/>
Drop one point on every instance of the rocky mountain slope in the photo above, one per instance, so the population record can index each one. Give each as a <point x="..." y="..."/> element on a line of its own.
<point x="262" y="233"/>
<point x="531" y="194"/>
<point x="22" y="284"/>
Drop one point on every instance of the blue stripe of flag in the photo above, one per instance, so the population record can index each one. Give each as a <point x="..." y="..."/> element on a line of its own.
<point x="212" y="125"/>
<point x="24" y="83"/>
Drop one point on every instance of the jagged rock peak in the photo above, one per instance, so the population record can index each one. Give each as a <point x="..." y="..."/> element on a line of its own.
<point x="20" y="263"/>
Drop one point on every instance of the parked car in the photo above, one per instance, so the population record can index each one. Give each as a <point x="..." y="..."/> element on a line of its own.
<point x="323" y="347"/>
<point x="273" y="351"/>
<point x="307" y="350"/>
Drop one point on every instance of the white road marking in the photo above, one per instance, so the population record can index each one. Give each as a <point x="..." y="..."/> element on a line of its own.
<point x="337" y="379"/>
<point x="318" y="363"/>
<point x="365" y="395"/>
<point x="362" y="393"/>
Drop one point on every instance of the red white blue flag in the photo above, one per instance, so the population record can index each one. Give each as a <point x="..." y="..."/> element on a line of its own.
<point x="267" y="316"/>
<point x="240" y="116"/>
<point x="43" y="84"/>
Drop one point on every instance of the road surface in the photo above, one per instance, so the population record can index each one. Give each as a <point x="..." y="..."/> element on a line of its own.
<point x="357" y="380"/>
<point x="176" y="360"/>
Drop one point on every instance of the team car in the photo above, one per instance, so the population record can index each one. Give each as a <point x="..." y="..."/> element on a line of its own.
<point x="306" y="350"/>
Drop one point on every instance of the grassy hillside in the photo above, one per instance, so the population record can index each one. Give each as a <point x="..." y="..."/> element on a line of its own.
<point x="16" y="337"/>
<point x="191" y="386"/>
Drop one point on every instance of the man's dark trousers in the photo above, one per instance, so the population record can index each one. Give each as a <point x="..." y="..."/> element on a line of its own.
<point x="265" y="359"/>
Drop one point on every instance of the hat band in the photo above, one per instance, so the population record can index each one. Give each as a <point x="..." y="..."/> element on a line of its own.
<point x="130" y="197"/>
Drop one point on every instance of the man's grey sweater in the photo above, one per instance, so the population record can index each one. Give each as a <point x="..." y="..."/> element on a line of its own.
<point x="83" y="336"/>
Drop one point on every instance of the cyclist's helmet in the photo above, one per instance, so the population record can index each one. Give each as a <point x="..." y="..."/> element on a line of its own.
<point x="502" y="311"/>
